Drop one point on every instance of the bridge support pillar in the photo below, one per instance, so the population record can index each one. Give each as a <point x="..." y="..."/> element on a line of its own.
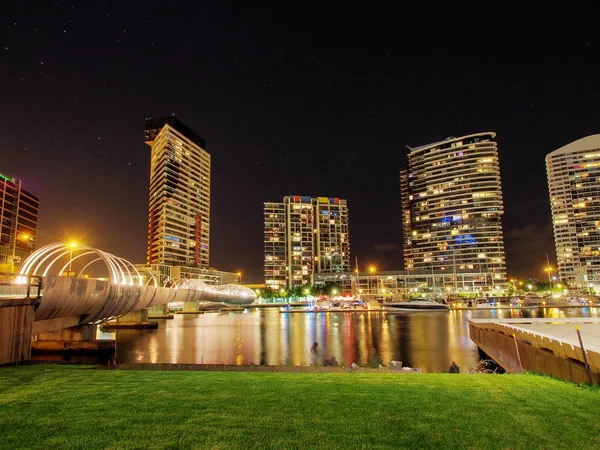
<point x="159" y="312"/>
<point x="135" y="319"/>
<point x="189" y="307"/>
<point x="78" y="333"/>
<point x="78" y="339"/>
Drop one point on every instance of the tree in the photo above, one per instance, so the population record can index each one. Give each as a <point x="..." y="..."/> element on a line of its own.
<point x="332" y="288"/>
<point x="318" y="290"/>
<point x="283" y="293"/>
<point x="268" y="294"/>
<point x="296" y="291"/>
<point x="306" y="290"/>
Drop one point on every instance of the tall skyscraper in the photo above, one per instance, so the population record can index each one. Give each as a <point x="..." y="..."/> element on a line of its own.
<point x="304" y="236"/>
<point x="276" y="245"/>
<point x="179" y="206"/>
<point x="18" y="223"/>
<point x="452" y="207"/>
<point x="574" y="185"/>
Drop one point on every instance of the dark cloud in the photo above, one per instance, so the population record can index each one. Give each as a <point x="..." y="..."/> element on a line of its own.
<point x="386" y="247"/>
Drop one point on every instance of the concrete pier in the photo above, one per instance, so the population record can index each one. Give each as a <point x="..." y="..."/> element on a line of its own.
<point x="135" y="320"/>
<point x="159" y="312"/>
<point x="543" y="346"/>
<point x="190" y="307"/>
<point x="81" y="338"/>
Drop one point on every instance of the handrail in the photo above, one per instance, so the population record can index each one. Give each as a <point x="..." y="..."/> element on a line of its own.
<point x="32" y="283"/>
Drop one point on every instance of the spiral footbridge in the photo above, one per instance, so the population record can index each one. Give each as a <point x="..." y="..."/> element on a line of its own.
<point x="125" y="289"/>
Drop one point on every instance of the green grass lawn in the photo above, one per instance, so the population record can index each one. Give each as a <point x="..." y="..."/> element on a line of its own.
<point x="57" y="406"/>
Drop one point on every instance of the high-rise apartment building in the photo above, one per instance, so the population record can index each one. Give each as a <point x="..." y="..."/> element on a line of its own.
<point x="18" y="223"/>
<point x="574" y="185"/>
<point x="452" y="207"/>
<point x="276" y="245"/>
<point x="179" y="206"/>
<point x="304" y="236"/>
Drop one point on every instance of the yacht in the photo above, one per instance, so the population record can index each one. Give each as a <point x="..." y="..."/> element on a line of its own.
<point x="532" y="300"/>
<point x="417" y="304"/>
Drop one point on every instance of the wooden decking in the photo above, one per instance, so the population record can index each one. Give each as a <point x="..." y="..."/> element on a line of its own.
<point x="16" y="322"/>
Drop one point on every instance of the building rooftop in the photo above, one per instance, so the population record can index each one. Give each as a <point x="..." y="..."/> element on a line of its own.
<point x="5" y="178"/>
<point x="587" y="143"/>
<point x="450" y="139"/>
<point x="153" y="126"/>
<point x="15" y="182"/>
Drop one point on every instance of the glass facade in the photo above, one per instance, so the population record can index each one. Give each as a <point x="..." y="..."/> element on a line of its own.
<point x="179" y="204"/>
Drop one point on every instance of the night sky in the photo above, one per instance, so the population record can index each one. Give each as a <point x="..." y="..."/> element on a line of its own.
<point x="292" y="100"/>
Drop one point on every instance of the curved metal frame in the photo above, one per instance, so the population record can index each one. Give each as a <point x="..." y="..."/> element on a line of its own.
<point x="96" y="301"/>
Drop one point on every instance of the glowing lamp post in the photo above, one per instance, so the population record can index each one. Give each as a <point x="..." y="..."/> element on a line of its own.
<point x="24" y="238"/>
<point x="548" y="270"/>
<point x="72" y="246"/>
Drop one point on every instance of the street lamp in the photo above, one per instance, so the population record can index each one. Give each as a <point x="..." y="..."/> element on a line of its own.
<point x="548" y="270"/>
<point x="239" y="274"/>
<point x="72" y="246"/>
<point x="372" y="269"/>
<point x="23" y="237"/>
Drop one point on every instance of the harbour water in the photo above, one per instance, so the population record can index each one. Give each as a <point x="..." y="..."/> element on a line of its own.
<point x="427" y="340"/>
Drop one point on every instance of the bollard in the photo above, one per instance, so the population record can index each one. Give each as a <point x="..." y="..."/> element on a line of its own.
<point x="518" y="354"/>
<point x="587" y="365"/>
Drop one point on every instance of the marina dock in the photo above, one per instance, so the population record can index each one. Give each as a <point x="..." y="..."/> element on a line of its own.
<point x="543" y="346"/>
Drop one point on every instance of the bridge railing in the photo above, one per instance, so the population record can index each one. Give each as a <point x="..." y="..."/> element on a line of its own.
<point x="13" y="285"/>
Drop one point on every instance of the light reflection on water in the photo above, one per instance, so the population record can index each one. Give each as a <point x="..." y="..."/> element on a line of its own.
<point x="428" y="340"/>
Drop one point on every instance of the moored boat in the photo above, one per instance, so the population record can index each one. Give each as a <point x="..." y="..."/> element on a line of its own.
<point x="419" y="304"/>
